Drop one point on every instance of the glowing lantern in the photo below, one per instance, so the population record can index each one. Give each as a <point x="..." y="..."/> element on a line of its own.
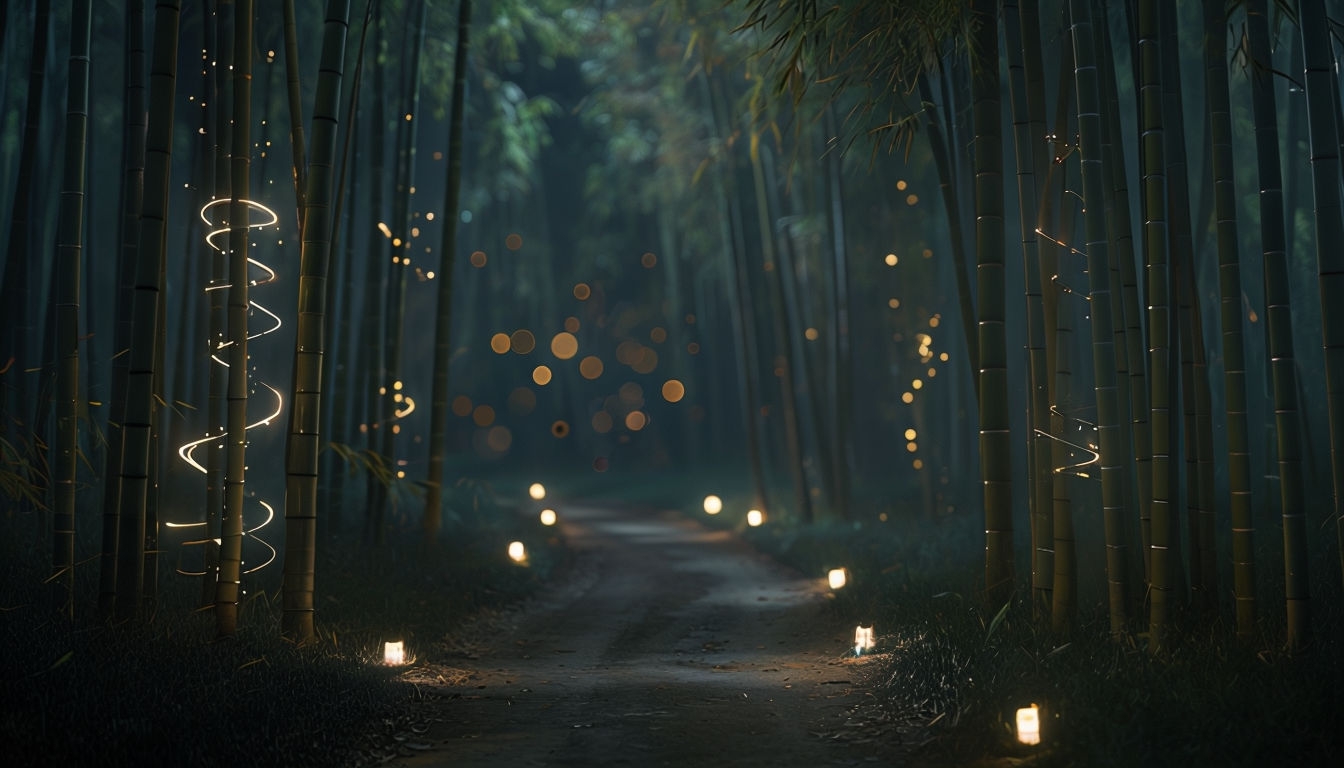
<point x="517" y="552"/>
<point x="1029" y="725"/>
<point x="394" y="654"/>
<point x="537" y="491"/>
<point x="713" y="505"/>
<point x="755" y="517"/>
<point x="836" y="578"/>
<point x="548" y="517"/>
<point x="863" y="640"/>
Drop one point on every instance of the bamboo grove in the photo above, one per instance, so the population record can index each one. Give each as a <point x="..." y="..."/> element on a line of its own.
<point x="1059" y="275"/>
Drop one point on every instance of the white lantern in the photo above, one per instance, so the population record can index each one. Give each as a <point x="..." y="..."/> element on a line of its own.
<point x="1029" y="725"/>
<point x="537" y="491"/>
<point x="713" y="505"/>
<point x="755" y="517"/>
<point x="394" y="653"/>
<point x="548" y="517"/>
<point x="836" y="578"/>
<point x="517" y="552"/>
<point x="863" y="640"/>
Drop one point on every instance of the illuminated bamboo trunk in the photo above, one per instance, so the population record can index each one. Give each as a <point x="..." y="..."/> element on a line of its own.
<point x="1278" y="317"/>
<point x="443" y="340"/>
<point x="1152" y="157"/>
<point x="146" y="320"/>
<point x="298" y="150"/>
<point x="1229" y="285"/>
<point x="228" y="587"/>
<point x="70" y="234"/>
<point x="995" y="440"/>
<point x="1027" y="147"/>
<point x="304" y="444"/>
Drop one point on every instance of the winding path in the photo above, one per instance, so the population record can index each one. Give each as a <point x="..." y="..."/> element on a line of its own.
<point x="668" y="644"/>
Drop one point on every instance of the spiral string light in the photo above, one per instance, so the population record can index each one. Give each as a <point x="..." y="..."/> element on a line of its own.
<point x="187" y="450"/>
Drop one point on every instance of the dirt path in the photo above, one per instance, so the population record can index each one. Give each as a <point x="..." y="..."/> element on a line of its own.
<point x="668" y="644"/>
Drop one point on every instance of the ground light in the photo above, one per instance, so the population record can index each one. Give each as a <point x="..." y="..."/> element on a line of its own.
<point x="755" y="517"/>
<point x="548" y="517"/>
<point x="394" y="653"/>
<point x="1029" y="725"/>
<point x="713" y="505"/>
<point x="863" y="640"/>
<point x="836" y="578"/>
<point x="537" y="491"/>
<point x="517" y="552"/>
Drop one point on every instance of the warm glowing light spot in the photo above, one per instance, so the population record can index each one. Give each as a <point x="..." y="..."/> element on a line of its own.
<point x="1252" y="316"/>
<point x="647" y="361"/>
<point x="837" y="578"/>
<point x="461" y="405"/>
<point x="933" y="372"/>
<point x="564" y="345"/>
<point x="386" y="230"/>
<point x="943" y="357"/>
<point x="478" y="259"/>
<point x="541" y="375"/>
<point x="483" y="415"/>
<point x="396" y="429"/>
<point x="590" y="367"/>
<point x="907" y="398"/>
<point x="811" y="334"/>
<point x="408" y="119"/>
<point x="582" y="291"/>
<point x="911" y="446"/>
<point x="891" y="260"/>
<point x="713" y="505"/>
<point x="648" y="260"/>
<point x="514" y="241"/>
<point x="658" y="335"/>
<point x="901" y="185"/>
<point x="673" y="391"/>
<point x="636" y="420"/>
<point x="928" y="253"/>
<point x="499" y="438"/>
<point x="1029" y="725"/>
<point x="429" y="275"/>
<point x="755" y="517"/>
<point x="882" y="517"/>
<point x="911" y="199"/>
<point x="500" y="343"/>
<point x="894" y="303"/>
<point x="934" y="321"/>
<point x="547" y="517"/>
<point x="401" y="474"/>
<point x="910" y="434"/>
<point x="522" y="342"/>
<point x="917" y="384"/>
<point x="536" y="491"/>
<point x="560" y="428"/>
<point x="396" y="242"/>
<point x="572" y="324"/>
<point x="863" y="640"/>
<point x="517" y="552"/>
<point x="394" y="653"/>
<point x="430" y="216"/>
<point x="918" y="463"/>
<point x="602" y="422"/>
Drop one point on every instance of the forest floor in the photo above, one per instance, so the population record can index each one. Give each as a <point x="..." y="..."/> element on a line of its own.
<point x="664" y="643"/>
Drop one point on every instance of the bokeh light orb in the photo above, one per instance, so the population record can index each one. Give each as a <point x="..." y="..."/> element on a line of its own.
<point x="536" y="491"/>
<point x="548" y="517"/>
<point x="713" y="505"/>
<point x="517" y="552"/>
<point x="755" y="517"/>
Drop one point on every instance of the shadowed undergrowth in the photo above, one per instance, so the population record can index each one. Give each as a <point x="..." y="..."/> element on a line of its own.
<point x="167" y="693"/>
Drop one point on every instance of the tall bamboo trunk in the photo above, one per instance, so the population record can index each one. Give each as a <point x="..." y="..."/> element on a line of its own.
<point x="132" y="189"/>
<point x="68" y="259"/>
<point x="147" y="323"/>
<point x="1229" y="287"/>
<point x="443" y="339"/>
<point x="1111" y="456"/>
<point x="305" y="440"/>
<point x="1322" y="120"/>
<point x="298" y="148"/>
<point x="995" y="440"/>
<point x="1152" y="157"/>
<point x="228" y="587"/>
